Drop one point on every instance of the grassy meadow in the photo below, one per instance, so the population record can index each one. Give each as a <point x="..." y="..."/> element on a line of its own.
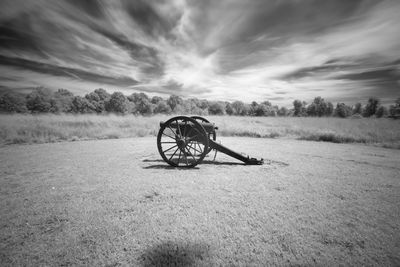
<point x="16" y="129"/>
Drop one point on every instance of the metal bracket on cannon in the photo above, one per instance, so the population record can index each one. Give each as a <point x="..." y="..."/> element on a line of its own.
<point x="185" y="141"/>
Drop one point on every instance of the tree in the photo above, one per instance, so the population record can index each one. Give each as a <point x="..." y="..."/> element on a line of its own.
<point x="142" y="103"/>
<point x="62" y="101"/>
<point x="39" y="100"/>
<point x="263" y="109"/>
<point x="156" y="99"/>
<point x="382" y="111"/>
<point x="216" y="108"/>
<point x="12" y="102"/>
<point x="299" y="108"/>
<point x="342" y="110"/>
<point x="98" y="99"/>
<point x="203" y="104"/>
<point x="357" y="109"/>
<point x="239" y="108"/>
<point x="371" y="107"/>
<point x="82" y="105"/>
<point x="229" y="109"/>
<point x="318" y="107"/>
<point x="117" y="103"/>
<point x="162" y="107"/>
<point x="103" y="94"/>
<point x="136" y="97"/>
<point x="394" y="110"/>
<point x="144" y="106"/>
<point x="330" y="109"/>
<point x="174" y="101"/>
<point x="283" y="111"/>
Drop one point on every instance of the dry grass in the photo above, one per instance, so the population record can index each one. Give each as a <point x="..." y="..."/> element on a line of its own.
<point x="54" y="128"/>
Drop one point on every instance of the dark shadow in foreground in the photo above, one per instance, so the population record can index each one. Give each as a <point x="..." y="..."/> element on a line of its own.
<point x="175" y="254"/>
<point x="166" y="166"/>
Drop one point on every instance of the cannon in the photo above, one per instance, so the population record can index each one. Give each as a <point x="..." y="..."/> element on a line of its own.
<point x="184" y="142"/>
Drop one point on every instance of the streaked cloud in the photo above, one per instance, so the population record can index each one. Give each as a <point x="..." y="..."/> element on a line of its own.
<point x="229" y="49"/>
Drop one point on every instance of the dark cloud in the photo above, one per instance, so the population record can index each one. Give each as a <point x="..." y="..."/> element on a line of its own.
<point x="277" y="98"/>
<point x="173" y="86"/>
<point x="316" y="71"/>
<point x="293" y="18"/>
<point x="149" y="18"/>
<point x="391" y="75"/>
<point x="280" y="92"/>
<point x="153" y="66"/>
<point x="283" y="19"/>
<point x="385" y="81"/>
<point x="93" y="8"/>
<point x="64" y="72"/>
<point x="17" y="34"/>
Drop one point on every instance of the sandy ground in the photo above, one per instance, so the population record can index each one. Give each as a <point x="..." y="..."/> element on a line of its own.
<point x="115" y="202"/>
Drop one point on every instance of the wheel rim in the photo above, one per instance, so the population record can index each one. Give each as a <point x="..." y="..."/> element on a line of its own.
<point x="182" y="142"/>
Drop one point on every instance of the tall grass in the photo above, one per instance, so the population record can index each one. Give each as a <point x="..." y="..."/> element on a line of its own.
<point x="54" y="128"/>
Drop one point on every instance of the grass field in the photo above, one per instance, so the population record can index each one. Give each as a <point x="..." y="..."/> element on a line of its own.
<point x="16" y="129"/>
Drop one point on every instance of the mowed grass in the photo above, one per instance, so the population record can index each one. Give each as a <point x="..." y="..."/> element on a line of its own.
<point x="16" y="129"/>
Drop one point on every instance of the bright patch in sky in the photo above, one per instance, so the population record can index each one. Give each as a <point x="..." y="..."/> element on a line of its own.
<point x="227" y="49"/>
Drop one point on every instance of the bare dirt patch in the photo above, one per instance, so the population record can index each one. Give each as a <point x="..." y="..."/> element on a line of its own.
<point x="115" y="202"/>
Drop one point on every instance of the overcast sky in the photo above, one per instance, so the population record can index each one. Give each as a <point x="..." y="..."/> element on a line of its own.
<point x="222" y="49"/>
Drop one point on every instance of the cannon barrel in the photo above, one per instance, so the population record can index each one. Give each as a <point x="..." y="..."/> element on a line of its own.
<point x="208" y="126"/>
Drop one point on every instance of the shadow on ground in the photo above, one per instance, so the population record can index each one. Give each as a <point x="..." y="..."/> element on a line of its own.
<point x="175" y="254"/>
<point x="166" y="166"/>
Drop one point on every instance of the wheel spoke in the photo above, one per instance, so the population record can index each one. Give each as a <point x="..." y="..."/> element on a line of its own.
<point x="170" y="148"/>
<point x="173" y="154"/>
<point x="167" y="142"/>
<point x="184" y="154"/>
<point x="191" y="154"/>
<point x="172" y="130"/>
<point x="194" y="148"/>
<point x="201" y="150"/>
<point x="168" y="136"/>
<point x="184" y="130"/>
<point x="179" y="128"/>
<point x="179" y="158"/>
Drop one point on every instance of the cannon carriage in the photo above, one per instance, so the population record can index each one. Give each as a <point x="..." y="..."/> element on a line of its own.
<point x="184" y="142"/>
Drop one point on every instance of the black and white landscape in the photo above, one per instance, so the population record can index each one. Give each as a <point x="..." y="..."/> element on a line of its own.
<point x="89" y="176"/>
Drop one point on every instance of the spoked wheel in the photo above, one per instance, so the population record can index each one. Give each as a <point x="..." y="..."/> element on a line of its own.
<point x="212" y="135"/>
<point x="182" y="142"/>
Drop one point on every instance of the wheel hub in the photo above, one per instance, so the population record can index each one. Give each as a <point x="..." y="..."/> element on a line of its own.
<point x="181" y="143"/>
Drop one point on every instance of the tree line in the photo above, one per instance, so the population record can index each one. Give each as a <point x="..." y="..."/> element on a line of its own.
<point x="43" y="100"/>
